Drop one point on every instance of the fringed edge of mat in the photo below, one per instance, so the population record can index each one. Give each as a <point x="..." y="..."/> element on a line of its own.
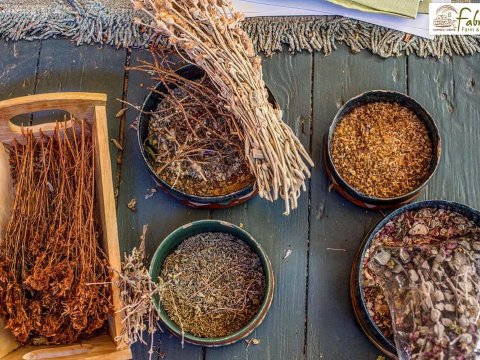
<point x="94" y="23"/>
<point x="313" y="33"/>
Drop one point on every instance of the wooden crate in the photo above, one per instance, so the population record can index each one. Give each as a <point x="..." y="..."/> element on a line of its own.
<point x="91" y="107"/>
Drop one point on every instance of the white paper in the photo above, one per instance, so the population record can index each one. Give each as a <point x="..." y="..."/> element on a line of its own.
<point x="418" y="26"/>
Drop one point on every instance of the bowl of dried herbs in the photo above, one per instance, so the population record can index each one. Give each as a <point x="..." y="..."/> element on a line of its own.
<point x="432" y="249"/>
<point x="192" y="143"/>
<point x="382" y="149"/>
<point x="216" y="283"/>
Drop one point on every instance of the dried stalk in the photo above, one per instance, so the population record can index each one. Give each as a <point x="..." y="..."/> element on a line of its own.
<point x="208" y="33"/>
<point x="52" y="268"/>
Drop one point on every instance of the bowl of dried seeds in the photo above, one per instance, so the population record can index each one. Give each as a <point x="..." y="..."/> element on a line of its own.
<point x="192" y="144"/>
<point x="451" y="232"/>
<point x="217" y="283"/>
<point x="382" y="149"/>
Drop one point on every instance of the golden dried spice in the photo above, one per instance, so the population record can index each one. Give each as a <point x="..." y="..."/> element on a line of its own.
<point x="382" y="149"/>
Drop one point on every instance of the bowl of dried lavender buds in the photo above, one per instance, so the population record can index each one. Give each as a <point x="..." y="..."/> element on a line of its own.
<point x="216" y="283"/>
<point x="383" y="147"/>
<point x="192" y="144"/>
<point x="430" y="252"/>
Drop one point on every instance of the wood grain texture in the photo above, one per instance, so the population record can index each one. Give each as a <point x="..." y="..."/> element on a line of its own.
<point x="160" y="212"/>
<point x="99" y="348"/>
<point x="453" y="100"/>
<point x="81" y="104"/>
<point x="282" y="334"/>
<point x="107" y="210"/>
<point x="18" y="63"/>
<point x="63" y="66"/>
<point x="336" y="226"/>
<point x="7" y="341"/>
<point x="18" y="66"/>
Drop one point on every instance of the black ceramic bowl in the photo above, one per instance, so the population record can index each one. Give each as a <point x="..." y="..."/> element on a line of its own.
<point x="351" y="193"/>
<point x="358" y="300"/>
<point x="190" y="72"/>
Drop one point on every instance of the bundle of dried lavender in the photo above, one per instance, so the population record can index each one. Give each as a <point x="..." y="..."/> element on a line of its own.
<point x="137" y="291"/>
<point x="52" y="268"/>
<point x="209" y="34"/>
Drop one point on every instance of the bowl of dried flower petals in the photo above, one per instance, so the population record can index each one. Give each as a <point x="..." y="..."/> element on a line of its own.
<point x="383" y="147"/>
<point x="192" y="143"/>
<point x="414" y="282"/>
<point x="216" y="283"/>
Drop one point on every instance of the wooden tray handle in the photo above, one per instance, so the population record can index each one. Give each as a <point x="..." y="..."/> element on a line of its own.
<point x="78" y="103"/>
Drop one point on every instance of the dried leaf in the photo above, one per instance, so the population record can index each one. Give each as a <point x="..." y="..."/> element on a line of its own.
<point x="134" y="125"/>
<point x="121" y="112"/>
<point x="252" y="341"/>
<point x="117" y="144"/>
<point x="132" y="205"/>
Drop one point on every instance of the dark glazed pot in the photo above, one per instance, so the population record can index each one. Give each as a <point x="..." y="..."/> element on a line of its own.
<point x="190" y="72"/>
<point x="358" y="301"/>
<point x="197" y="227"/>
<point x="351" y="193"/>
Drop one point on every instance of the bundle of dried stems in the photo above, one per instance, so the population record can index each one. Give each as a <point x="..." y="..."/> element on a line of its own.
<point x="208" y="34"/>
<point x="137" y="291"/>
<point x="52" y="269"/>
<point x="194" y="144"/>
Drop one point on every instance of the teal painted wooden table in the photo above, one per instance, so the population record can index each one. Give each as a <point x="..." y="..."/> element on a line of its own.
<point x="311" y="317"/>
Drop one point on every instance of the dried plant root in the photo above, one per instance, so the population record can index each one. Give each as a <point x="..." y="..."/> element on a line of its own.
<point x="51" y="265"/>
<point x="208" y="34"/>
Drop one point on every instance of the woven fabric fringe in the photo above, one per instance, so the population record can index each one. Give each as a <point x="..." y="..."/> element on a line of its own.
<point x="87" y="23"/>
<point x="91" y="22"/>
<point x="324" y="33"/>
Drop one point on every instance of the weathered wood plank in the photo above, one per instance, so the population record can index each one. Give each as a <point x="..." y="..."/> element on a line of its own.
<point x="160" y="212"/>
<point x="64" y="66"/>
<point x="18" y="65"/>
<point x="436" y="76"/>
<point x="336" y="226"/>
<point x="452" y="97"/>
<point x="282" y="332"/>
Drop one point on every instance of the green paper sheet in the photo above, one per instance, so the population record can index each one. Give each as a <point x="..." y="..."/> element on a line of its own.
<point x="407" y="8"/>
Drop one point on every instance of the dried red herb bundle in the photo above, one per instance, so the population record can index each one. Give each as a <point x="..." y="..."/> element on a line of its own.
<point x="382" y="150"/>
<point x="50" y="253"/>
